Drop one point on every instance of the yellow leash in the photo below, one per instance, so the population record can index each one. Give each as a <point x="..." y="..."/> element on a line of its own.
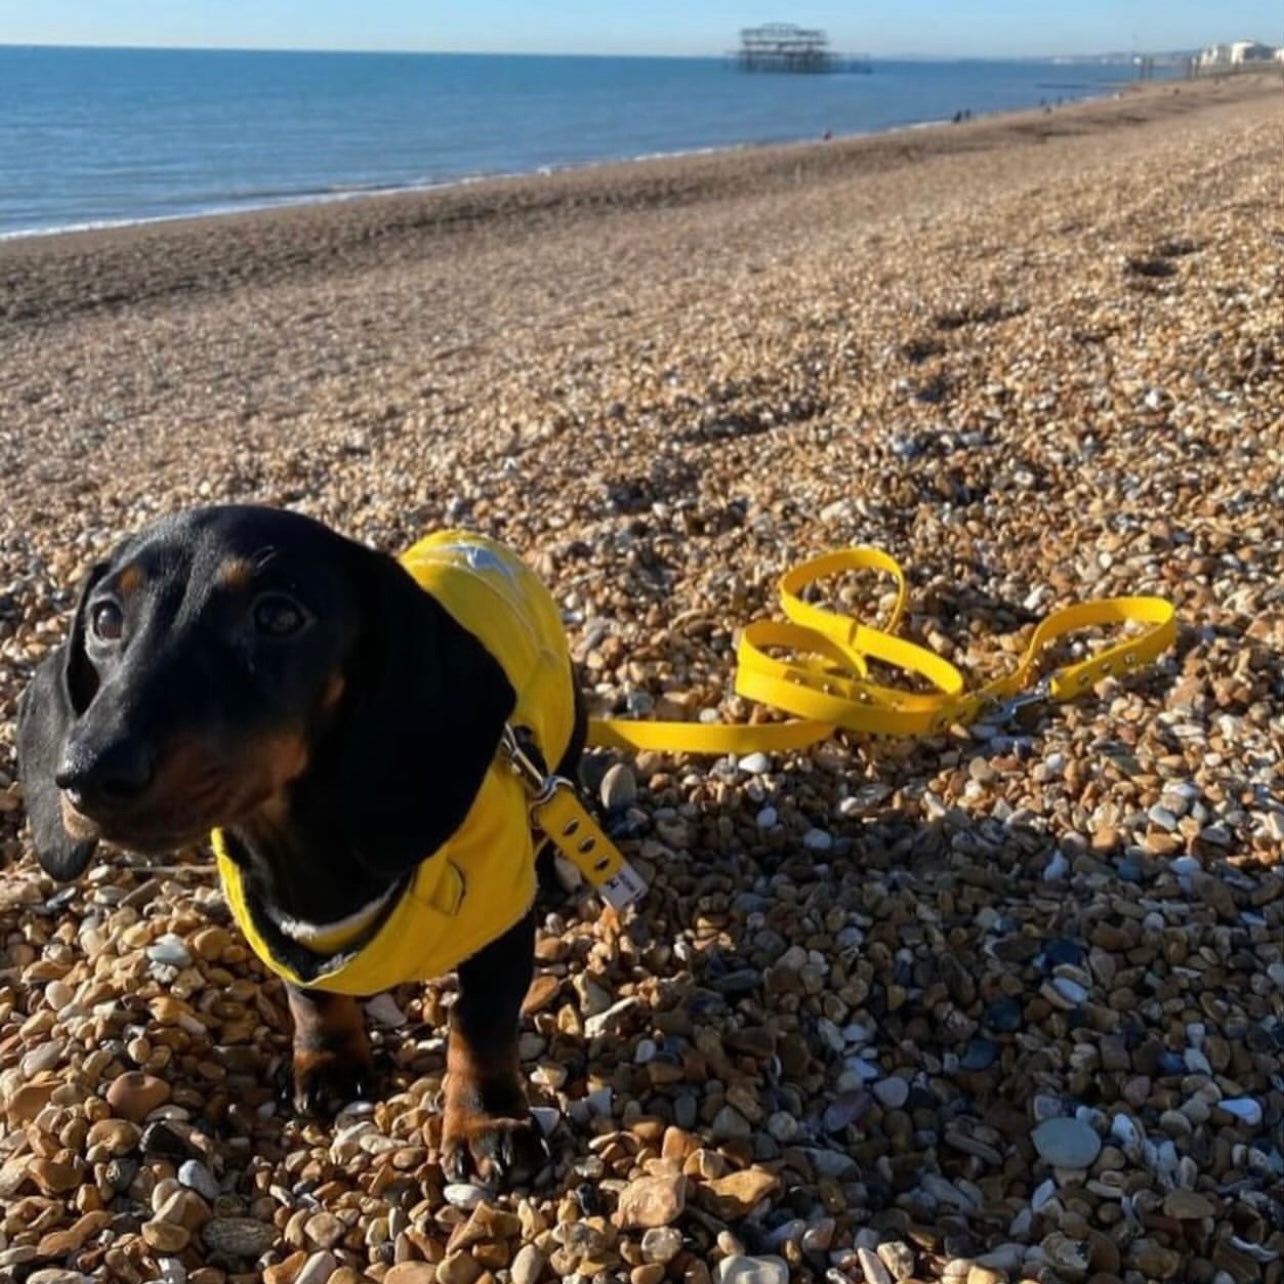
<point x="824" y="682"/>
<point x="825" y="685"/>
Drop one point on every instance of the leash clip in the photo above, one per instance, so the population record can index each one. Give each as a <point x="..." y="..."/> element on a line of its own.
<point x="557" y="812"/>
<point x="538" y="784"/>
<point x="1040" y="693"/>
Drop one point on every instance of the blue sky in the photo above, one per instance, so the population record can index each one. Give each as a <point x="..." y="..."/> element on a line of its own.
<point x="933" y="27"/>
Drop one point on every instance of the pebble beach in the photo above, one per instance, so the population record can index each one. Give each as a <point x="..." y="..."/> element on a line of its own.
<point x="1003" y="1004"/>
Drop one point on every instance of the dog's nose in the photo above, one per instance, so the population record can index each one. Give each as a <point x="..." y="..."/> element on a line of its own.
<point x="113" y="777"/>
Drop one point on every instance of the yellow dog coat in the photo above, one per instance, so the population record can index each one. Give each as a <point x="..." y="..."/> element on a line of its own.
<point x="482" y="879"/>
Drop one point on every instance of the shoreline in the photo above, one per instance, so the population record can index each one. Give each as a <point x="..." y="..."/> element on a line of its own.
<point x="376" y="192"/>
<point x="1107" y="91"/>
<point x="44" y="277"/>
<point x="341" y="193"/>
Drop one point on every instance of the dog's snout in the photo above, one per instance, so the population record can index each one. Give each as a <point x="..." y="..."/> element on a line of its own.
<point x="115" y="776"/>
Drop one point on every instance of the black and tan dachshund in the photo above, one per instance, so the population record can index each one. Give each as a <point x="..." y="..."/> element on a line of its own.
<point x="250" y="671"/>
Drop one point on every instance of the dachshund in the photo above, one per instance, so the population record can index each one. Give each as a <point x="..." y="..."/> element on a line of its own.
<point x="331" y="715"/>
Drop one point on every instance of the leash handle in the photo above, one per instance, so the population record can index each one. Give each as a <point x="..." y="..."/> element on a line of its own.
<point x="824" y="680"/>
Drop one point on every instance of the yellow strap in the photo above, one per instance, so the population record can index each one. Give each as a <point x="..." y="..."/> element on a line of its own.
<point x="565" y="821"/>
<point x="824" y="683"/>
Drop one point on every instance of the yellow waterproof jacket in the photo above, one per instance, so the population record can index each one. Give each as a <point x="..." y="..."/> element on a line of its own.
<point x="482" y="879"/>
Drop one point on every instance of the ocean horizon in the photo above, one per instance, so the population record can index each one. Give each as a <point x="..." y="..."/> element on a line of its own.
<point x="98" y="137"/>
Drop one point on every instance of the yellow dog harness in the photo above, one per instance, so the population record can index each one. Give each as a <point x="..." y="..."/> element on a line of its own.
<point x="814" y="665"/>
<point x="482" y="879"/>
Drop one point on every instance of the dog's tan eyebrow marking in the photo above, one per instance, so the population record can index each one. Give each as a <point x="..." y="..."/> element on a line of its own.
<point x="334" y="689"/>
<point x="235" y="573"/>
<point x="130" y="580"/>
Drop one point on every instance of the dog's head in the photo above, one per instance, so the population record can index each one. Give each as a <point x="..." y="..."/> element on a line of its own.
<point x="222" y="656"/>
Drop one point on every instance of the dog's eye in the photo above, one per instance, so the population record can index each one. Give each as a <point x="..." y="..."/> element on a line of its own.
<point x="278" y="616"/>
<point x="107" y="622"/>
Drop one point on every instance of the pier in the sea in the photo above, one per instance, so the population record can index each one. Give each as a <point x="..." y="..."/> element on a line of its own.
<point x="781" y="46"/>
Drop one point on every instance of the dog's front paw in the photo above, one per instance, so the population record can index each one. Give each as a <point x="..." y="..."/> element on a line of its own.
<point x="493" y="1150"/>
<point x="332" y="1061"/>
<point x="324" y="1081"/>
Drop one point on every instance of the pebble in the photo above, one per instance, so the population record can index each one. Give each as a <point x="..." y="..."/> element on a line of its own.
<point x="738" y="1194"/>
<point x="199" y="1178"/>
<point x="608" y="1022"/>
<point x="898" y="1258"/>
<point x="1244" y="1109"/>
<point x="169" y="950"/>
<point x="980" y="1054"/>
<point x="1004" y="1015"/>
<point x="238" y="1236"/>
<point x="1056" y="868"/>
<point x="892" y="1093"/>
<point x="547" y="1118"/>
<point x="1188" y="1205"/>
<point x="134" y="1095"/>
<point x="784" y="1127"/>
<point x="651" y="1202"/>
<point x="729" y="1125"/>
<point x="463" y="1194"/>
<point x="459" y="1268"/>
<point x="1068" y="993"/>
<point x="417" y="1273"/>
<point x="45" y="1057"/>
<point x="619" y="788"/>
<point x="528" y="1265"/>
<point x="1154" y="1260"/>
<point x="1067" y="1143"/>
<point x="165" y="1237"/>
<point x="324" y="1229"/>
<point x="686" y="1107"/>
<point x="115" y="1136"/>
<point x="752" y="1270"/>
<point x="661" y="1244"/>
<point x="843" y="1111"/>
<point x="383" y="1010"/>
<point x="873" y="1267"/>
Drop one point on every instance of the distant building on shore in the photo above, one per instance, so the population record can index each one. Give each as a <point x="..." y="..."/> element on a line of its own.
<point x="1237" y="53"/>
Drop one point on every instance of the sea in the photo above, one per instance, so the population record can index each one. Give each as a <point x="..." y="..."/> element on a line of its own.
<point x="95" y="137"/>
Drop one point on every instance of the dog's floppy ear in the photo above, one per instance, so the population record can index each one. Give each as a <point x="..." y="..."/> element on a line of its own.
<point x="422" y="717"/>
<point x="60" y="691"/>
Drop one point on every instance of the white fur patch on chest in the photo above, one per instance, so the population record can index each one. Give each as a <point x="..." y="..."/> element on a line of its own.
<point x="340" y="931"/>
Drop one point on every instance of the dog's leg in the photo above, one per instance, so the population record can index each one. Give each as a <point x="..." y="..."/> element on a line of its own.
<point x="487" y="1131"/>
<point x="332" y="1062"/>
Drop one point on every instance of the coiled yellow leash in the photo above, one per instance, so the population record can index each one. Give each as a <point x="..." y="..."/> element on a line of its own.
<point x="824" y="683"/>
